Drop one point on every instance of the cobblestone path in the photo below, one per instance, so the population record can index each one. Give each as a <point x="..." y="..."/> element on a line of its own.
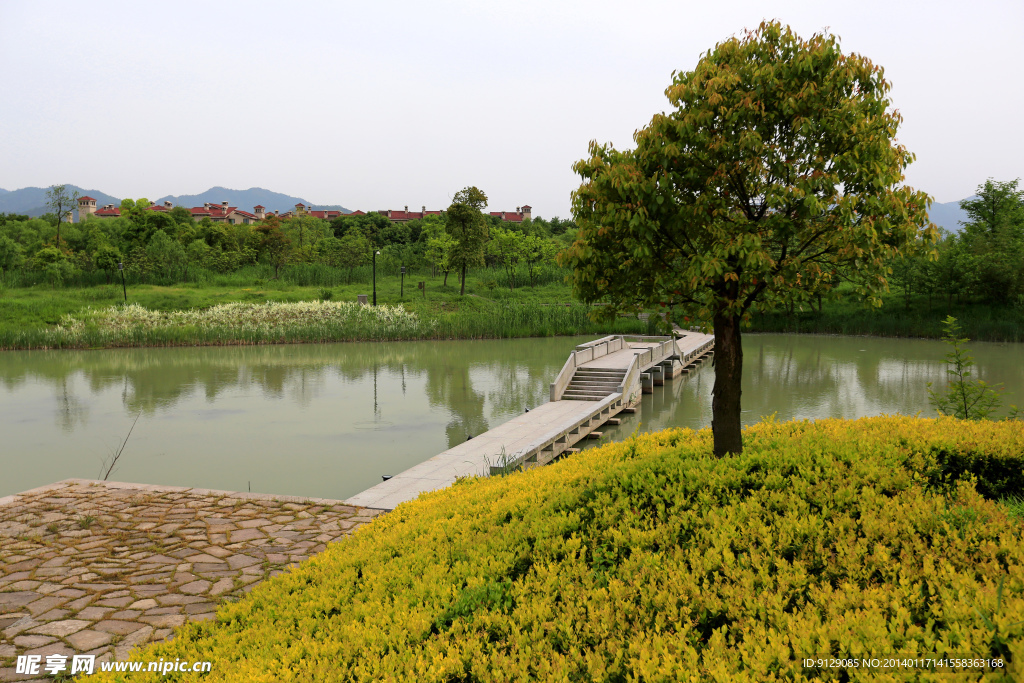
<point x="92" y="567"/>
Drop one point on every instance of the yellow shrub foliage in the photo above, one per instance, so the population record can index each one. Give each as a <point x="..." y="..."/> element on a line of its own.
<point x="650" y="560"/>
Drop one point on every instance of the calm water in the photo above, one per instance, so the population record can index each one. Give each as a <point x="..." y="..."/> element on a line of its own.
<point x="329" y="420"/>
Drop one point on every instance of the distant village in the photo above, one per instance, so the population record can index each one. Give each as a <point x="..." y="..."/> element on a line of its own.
<point x="223" y="213"/>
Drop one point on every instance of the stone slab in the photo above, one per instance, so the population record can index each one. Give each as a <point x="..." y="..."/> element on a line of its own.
<point x="135" y="576"/>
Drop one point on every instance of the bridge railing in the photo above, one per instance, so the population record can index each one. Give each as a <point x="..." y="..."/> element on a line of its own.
<point x="584" y="353"/>
<point x="631" y="381"/>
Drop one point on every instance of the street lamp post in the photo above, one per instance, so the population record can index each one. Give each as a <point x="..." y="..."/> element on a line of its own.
<point x="376" y="251"/>
<point x="120" y="267"/>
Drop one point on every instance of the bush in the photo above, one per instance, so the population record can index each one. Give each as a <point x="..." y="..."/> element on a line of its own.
<point x="653" y="560"/>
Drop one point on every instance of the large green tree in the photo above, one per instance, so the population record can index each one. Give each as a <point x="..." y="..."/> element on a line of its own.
<point x="776" y="168"/>
<point x="62" y="203"/>
<point x="994" y="235"/>
<point x="468" y="225"/>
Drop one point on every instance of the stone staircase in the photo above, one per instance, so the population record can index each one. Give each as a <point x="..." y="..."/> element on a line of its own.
<point x="593" y="384"/>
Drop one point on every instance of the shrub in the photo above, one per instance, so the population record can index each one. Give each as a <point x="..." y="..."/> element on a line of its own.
<point x="653" y="560"/>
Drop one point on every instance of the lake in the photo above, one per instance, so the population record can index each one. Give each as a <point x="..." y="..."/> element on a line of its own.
<point x="328" y="420"/>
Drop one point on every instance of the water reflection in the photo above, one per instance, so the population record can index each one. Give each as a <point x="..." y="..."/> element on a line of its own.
<point x="351" y="411"/>
<point x="813" y="377"/>
<point x="329" y="420"/>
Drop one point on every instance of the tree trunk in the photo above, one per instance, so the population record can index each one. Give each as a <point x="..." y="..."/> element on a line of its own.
<point x="445" y="283"/>
<point x="725" y="404"/>
<point x="463" y="291"/>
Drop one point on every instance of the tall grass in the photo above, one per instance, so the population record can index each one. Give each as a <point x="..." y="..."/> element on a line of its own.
<point x="919" y="316"/>
<point x="299" y="274"/>
<point x="305" y="322"/>
<point x="979" y="322"/>
<point x="529" y="320"/>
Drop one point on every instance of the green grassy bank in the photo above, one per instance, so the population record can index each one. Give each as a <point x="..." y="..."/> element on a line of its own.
<point x="35" y="317"/>
<point x="981" y="322"/>
<point x="29" y="315"/>
<point x="652" y="560"/>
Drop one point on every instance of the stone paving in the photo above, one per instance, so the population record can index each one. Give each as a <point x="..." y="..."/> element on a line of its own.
<point x="94" y="567"/>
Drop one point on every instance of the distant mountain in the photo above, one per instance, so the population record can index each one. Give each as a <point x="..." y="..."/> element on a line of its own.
<point x="948" y="215"/>
<point x="31" y="201"/>
<point x="246" y="199"/>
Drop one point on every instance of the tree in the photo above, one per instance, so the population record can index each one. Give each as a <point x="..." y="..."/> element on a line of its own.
<point x="776" y="168"/>
<point x="439" y="253"/>
<point x="508" y="247"/>
<point x="273" y="242"/>
<point x="994" y="235"/>
<point x="535" y="252"/>
<point x="54" y="263"/>
<point x="138" y="214"/>
<point x="305" y="231"/>
<point x="11" y="254"/>
<point x="353" y="251"/>
<point x="468" y="225"/>
<point x="166" y="254"/>
<point x="181" y="216"/>
<point x="62" y="203"/>
<point x="107" y="258"/>
<point x="964" y="398"/>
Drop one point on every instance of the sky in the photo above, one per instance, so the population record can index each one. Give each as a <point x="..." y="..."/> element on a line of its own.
<point x="379" y="105"/>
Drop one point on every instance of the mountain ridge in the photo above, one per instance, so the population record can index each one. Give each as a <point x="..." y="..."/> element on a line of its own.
<point x="247" y="199"/>
<point x="31" y="201"/>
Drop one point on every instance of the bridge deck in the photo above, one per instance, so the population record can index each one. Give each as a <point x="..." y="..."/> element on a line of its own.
<point x="619" y="360"/>
<point x="475" y="456"/>
<point x="535" y="437"/>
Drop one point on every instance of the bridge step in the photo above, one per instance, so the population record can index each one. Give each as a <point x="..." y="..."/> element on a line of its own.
<point x="590" y="391"/>
<point x="581" y="397"/>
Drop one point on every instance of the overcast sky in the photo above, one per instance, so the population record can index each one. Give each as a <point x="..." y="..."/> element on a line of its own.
<point x="377" y="105"/>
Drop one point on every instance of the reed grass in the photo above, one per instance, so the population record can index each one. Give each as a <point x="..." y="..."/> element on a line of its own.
<point x="305" y="322"/>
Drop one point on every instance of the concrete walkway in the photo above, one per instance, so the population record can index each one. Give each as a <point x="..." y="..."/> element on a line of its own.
<point x="524" y="433"/>
<point x="93" y="567"/>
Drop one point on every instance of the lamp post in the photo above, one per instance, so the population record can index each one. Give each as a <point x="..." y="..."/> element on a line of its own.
<point x="120" y="267"/>
<point x="376" y="251"/>
<point x="402" y="295"/>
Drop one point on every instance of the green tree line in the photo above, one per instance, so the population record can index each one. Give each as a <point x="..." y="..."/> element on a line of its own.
<point x="983" y="263"/>
<point x="169" y="246"/>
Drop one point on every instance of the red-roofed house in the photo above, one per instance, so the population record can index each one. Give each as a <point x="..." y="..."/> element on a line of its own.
<point x="302" y="210"/>
<point x="521" y="213"/>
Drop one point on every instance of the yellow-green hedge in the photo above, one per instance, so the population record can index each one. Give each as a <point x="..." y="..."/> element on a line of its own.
<point x="651" y="560"/>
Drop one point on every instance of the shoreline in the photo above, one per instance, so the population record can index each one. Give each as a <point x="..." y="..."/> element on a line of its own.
<point x="341" y="339"/>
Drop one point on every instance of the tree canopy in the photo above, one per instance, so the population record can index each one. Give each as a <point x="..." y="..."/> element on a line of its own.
<point x="775" y="172"/>
<point x="62" y="202"/>
<point x="469" y="227"/>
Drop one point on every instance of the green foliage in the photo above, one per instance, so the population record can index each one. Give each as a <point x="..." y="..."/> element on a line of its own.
<point x="107" y="258"/>
<point x="964" y="398"/>
<point x="62" y="204"/>
<point x="994" y="476"/>
<point x="654" y="560"/>
<point x="54" y="263"/>
<point x="775" y="172"/>
<point x="351" y="251"/>
<point x="508" y="248"/>
<point x="167" y="254"/>
<point x="181" y="216"/>
<point x="12" y="255"/>
<point x="468" y="226"/>
<point x="994" y="235"/>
